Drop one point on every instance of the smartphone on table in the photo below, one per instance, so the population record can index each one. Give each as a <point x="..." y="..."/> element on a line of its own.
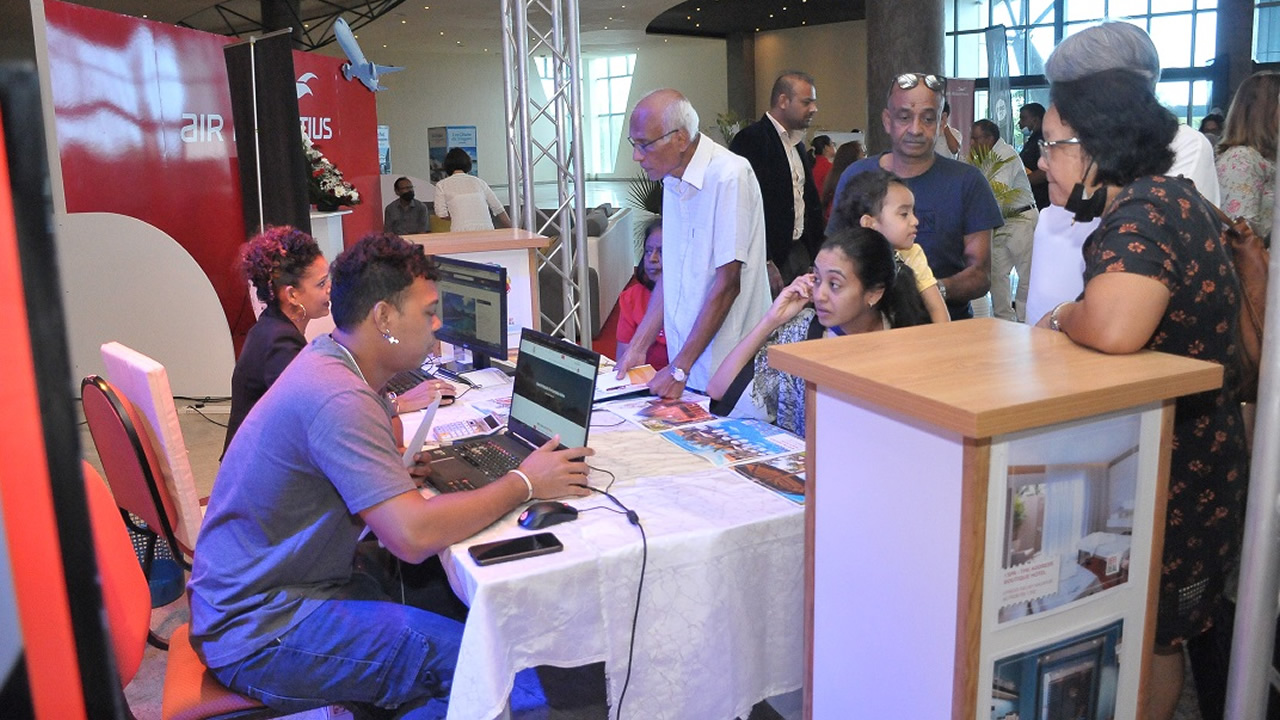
<point x="515" y="548"/>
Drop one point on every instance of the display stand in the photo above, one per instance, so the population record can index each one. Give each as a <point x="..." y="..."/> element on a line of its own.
<point x="512" y="248"/>
<point x="326" y="228"/>
<point x="984" y="519"/>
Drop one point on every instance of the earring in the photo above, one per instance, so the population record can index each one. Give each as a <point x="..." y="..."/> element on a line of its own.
<point x="303" y="308"/>
<point x="391" y="339"/>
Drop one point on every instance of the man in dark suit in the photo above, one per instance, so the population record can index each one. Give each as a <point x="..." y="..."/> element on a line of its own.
<point x="775" y="148"/>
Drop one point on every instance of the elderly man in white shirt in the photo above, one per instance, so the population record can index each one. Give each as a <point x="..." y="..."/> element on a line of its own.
<point x="714" y="286"/>
<point x="1010" y="243"/>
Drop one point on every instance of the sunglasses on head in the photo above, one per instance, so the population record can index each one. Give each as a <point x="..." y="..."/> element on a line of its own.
<point x="937" y="83"/>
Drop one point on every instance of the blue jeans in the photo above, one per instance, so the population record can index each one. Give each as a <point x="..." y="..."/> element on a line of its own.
<point x="359" y="649"/>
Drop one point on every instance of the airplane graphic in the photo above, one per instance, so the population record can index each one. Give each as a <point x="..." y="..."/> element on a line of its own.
<point x="303" y="87"/>
<point x="359" y="68"/>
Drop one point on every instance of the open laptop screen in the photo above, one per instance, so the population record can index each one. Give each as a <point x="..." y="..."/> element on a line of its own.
<point x="554" y="387"/>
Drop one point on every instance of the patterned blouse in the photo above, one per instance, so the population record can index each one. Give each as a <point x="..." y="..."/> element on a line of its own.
<point x="1160" y="227"/>
<point x="1248" y="183"/>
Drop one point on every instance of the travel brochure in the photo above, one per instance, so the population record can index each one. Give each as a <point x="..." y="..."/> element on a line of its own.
<point x="1072" y="679"/>
<point x="732" y="441"/>
<point x="783" y="475"/>
<point x="754" y="449"/>
<point x="608" y="385"/>
<point x="658" y="415"/>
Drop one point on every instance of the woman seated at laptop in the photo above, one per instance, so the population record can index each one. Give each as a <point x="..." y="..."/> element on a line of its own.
<point x="291" y="276"/>
<point x="857" y="285"/>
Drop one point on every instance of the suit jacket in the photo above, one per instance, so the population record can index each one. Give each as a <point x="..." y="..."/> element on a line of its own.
<point x="759" y="144"/>
<point x="272" y="343"/>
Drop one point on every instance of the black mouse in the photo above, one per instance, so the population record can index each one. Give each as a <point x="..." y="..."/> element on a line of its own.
<point x="547" y="513"/>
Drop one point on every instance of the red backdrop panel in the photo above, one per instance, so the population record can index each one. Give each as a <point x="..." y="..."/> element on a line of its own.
<point x="144" y="128"/>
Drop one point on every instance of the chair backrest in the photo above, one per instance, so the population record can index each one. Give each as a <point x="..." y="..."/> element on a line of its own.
<point x="146" y="384"/>
<point x="127" y="455"/>
<point x="126" y="597"/>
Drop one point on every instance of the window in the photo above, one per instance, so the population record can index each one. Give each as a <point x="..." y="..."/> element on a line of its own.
<point x="1184" y="31"/>
<point x="1266" y="32"/>
<point x="609" y="85"/>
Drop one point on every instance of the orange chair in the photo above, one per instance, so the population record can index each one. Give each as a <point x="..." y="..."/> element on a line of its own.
<point x="132" y="467"/>
<point x="190" y="690"/>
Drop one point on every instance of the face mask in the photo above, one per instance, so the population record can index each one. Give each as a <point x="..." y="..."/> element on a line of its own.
<point x="407" y="196"/>
<point x="1086" y="209"/>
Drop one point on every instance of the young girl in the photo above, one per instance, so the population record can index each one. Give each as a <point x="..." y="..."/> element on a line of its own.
<point x="879" y="200"/>
<point x="635" y="298"/>
<point x="857" y="286"/>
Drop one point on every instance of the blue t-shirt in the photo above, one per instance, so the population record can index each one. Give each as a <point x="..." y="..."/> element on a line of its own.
<point x="953" y="199"/>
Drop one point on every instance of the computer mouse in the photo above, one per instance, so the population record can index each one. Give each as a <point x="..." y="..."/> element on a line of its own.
<point x="547" y="513"/>
<point x="448" y="393"/>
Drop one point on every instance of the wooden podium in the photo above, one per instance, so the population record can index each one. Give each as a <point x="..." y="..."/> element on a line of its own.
<point x="984" y="520"/>
<point x="512" y="248"/>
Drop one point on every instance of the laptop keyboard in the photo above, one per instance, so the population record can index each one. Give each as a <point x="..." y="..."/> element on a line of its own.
<point x="455" y="485"/>
<point x="406" y="380"/>
<point x="489" y="457"/>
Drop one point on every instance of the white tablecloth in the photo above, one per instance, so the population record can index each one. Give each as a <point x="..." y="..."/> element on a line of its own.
<point x="721" y="616"/>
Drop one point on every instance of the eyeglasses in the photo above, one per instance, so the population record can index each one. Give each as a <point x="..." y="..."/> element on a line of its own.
<point x="1047" y="145"/>
<point x="907" y="81"/>
<point x="644" y="145"/>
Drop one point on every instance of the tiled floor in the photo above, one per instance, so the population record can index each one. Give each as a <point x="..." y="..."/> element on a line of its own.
<point x="204" y="445"/>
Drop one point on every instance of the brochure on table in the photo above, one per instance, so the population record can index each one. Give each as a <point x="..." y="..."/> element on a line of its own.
<point x="1069" y="552"/>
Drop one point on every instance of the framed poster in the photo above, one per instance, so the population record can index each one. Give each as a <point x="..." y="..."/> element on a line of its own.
<point x="1070" y="679"/>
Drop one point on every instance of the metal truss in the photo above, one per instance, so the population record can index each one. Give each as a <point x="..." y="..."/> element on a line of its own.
<point x="313" y="18"/>
<point x="548" y="137"/>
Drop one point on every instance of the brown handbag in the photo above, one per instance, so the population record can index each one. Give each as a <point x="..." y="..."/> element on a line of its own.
<point x="1251" y="260"/>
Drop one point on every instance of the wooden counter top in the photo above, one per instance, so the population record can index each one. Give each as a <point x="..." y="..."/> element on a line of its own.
<point x="478" y="241"/>
<point x="986" y="377"/>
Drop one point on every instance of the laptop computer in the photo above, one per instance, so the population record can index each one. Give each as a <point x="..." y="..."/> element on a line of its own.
<point x="551" y="395"/>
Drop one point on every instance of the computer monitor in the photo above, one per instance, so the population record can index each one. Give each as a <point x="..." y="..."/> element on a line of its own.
<point x="473" y="309"/>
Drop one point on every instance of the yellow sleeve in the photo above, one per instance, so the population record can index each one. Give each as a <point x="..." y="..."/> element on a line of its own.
<point x="914" y="258"/>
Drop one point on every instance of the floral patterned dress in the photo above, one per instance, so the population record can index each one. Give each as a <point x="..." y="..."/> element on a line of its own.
<point x="1248" y="182"/>
<point x="1160" y="227"/>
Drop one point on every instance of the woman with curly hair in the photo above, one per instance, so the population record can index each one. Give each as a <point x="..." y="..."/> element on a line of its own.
<point x="1157" y="277"/>
<point x="1247" y="152"/>
<point x="291" y="276"/>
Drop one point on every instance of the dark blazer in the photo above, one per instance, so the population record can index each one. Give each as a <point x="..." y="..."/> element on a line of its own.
<point x="272" y="343"/>
<point x="759" y="144"/>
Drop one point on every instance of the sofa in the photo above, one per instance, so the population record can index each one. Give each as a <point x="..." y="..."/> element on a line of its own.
<point x="612" y="254"/>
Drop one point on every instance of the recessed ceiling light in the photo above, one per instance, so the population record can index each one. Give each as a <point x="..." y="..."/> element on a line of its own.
<point x="697" y="24"/>
<point x="606" y="27"/>
<point x="688" y="17"/>
<point x="770" y="14"/>
<point x="384" y="46"/>
<point x="404" y="22"/>
<point x="306" y="25"/>
<point x="457" y="42"/>
<point x="144" y="15"/>
<point x="441" y="33"/>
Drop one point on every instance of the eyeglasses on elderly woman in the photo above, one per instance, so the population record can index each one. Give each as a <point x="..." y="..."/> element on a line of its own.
<point x="907" y="81"/>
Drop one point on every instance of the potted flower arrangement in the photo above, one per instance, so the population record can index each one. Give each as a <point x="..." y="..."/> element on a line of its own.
<point x="325" y="185"/>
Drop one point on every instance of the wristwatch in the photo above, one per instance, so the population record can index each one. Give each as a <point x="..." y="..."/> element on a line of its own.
<point x="942" y="290"/>
<point x="678" y="375"/>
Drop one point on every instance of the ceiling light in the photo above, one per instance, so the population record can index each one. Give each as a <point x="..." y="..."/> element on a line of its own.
<point x="404" y="22"/>
<point x="441" y="33"/>
<point x="697" y="24"/>
<point x="384" y="46"/>
<point x="144" y="15"/>
<point x="770" y="14"/>
<point x="306" y="25"/>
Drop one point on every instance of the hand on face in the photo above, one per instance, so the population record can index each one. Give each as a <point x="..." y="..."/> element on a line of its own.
<point x="793" y="298"/>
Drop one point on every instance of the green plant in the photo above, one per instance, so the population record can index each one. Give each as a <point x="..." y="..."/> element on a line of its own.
<point x="729" y="123"/>
<point x="645" y="194"/>
<point x="990" y="164"/>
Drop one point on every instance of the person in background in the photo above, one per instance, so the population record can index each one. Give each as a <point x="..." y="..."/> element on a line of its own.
<point x="714" y="285"/>
<point x="405" y="215"/>
<point x="857" y="286"/>
<point x="465" y="200"/>
<point x="281" y="608"/>
<point x="774" y="145"/>
<point x="846" y="155"/>
<point x="1247" y="152"/>
<point x="1029" y="120"/>
<point x="1147" y="267"/>
<point x="291" y="277"/>
<point x="954" y="203"/>
<point x="947" y="143"/>
<point x="1211" y="127"/>
<point x="634" y="300"/>
<point x="822" y="151"/>
<point x="1011" y="244"/>
<point x="881" y="201"/>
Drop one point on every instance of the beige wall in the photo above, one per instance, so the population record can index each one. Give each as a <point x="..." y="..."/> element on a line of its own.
<point x="835" y="55"/>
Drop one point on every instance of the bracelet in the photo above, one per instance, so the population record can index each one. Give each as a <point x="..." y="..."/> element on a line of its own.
<point x="528" y="485"/>
<point x="1053" y="316"/>
<point x="395" y="404"/>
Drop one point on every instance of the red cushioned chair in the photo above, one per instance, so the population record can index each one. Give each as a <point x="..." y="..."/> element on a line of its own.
<point x="190" y="690"/>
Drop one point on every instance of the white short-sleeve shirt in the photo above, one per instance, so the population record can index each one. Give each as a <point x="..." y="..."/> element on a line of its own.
<point x="468" y="202"/>
<point x="712" y="216"/>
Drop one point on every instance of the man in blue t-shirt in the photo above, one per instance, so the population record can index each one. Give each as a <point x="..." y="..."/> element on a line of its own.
<point x="954" y="203"/>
